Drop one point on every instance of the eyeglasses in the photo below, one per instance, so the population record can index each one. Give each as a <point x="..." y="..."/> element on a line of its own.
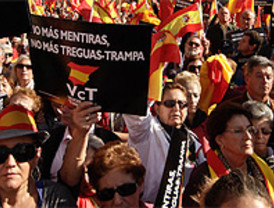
<point x="250" y="129"/>
<point x="24" y="65"/>
<point x="193" y="44"/>
<point x="264" y="131"/>
<point x="22" y="152"/>
<point x="126" y="189"/>
<point x="8" y="55"/>
<point x="194" y="68"/>
<point x="172" y="103"/>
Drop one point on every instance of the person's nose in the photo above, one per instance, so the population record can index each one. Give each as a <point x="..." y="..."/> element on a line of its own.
<point x="117" y="200"/>
<point x="10" y="161"/>
<point x="248" y="135"/>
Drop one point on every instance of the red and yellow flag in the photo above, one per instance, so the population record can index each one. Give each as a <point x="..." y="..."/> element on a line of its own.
<point x="85" y="9"/>
<point x="100" y="14"/>
<point x="164" y="48"/>
<point x="35" y="8"/>
<point x="215" y="76"/>
<point x="79" y="74"/>
<point x="213" y="9"/>
<point x="183" y="21"/>
<point x="166" y="8"/>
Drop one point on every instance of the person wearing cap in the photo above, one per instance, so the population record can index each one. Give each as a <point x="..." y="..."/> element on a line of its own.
<point x="20" y="151"/>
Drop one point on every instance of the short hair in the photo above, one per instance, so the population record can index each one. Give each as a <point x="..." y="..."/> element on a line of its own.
<point x="233" y="186"/>
<point x="37" y="101"/>
<point x="172" y="85"/>
<point x="113" y="155"/>
<point x="219" y="117"/>
<point x="258" y="110"/>
<point x="186" y="78"/>
<point x="255" y="61"/>
<point x="188" y="60"/>
<point x="13" y="75"/>
<point x="254" y="38"/>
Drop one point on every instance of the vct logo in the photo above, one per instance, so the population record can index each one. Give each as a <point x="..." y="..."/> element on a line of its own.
<point x="79" y="75"/>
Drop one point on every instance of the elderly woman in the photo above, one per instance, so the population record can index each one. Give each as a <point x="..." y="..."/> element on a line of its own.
<point x="117" y="173"/>
<point x="231" y="137"/>
<point x="20" y="150"/>
<point x="21" y="73"/>
<point x="193" y="87"/>
<point x="262" y="119"/>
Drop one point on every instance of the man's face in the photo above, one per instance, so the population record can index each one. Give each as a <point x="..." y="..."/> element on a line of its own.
<point x="172" y="116"/>
<point x="224" y="16"/>
<point x="247" y="20"/>
<point x="259" y="82"/>
<point x="193" y="46"/>
<point x="244" y="46"/>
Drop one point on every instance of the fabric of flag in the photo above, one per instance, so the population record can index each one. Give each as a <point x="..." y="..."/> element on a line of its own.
<point x="112" y="10"/>
<point x="79" y="74"/>
<point x="35" y="9"/>
<point x="215" y="76"/>
<point x="100" y="14"/>
<point x="183" y="21"/>
<point x="166" y="9"/>
<point x="164" y="48"/>
<point x="213" y="9"/>
<point x="85" y="9"/>
<point x="258" y="22"/>
<point x="17" y="117"/>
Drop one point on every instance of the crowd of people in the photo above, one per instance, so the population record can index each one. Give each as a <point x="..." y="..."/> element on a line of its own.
<point x="56" y="155"/>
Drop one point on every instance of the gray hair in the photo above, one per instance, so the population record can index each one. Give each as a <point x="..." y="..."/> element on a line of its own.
<point x="258" y="110"/>
<point x="255" y="61"/>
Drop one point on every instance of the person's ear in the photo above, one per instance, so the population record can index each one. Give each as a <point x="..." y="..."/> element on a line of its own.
<point x="37" y="156"/>
<point x="219" y="140"/>
<point x="157" y="107"/>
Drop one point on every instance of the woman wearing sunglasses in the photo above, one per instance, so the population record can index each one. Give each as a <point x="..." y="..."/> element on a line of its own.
<point x="117" y="174"/>
<point x="262" y="119"/>
<point x="231" y="135"/>
<point x="21" y="72"/>
<point x="20" y="150"/>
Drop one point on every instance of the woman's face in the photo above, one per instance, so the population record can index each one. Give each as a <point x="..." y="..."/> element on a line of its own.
<point x="13" y="174"/>
<point x="236" y="141"/>
<point x="114" y="179"/>
<point x="24" y="71"/>
<point x="5" y="86"/>
<point x="263" y="135"/>
<point x="193" y="97"/>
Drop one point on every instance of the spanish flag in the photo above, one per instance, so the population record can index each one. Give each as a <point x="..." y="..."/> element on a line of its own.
<point x="85" y="9"/>
<point x="79" y="74"/>
<point x="112" y="10"/>
<point x="183" y="21"/>
<point x="164" y="48"/>
<point x="215" y="75"/>
<point x="213" y="9"/>
<point x="35" y="8"/>
<point x="166" y="8"/>
<point x="100" y="14"/>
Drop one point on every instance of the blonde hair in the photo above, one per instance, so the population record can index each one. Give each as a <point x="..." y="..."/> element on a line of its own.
<point x="186" y="78"/>
<point x="13" y="75"/>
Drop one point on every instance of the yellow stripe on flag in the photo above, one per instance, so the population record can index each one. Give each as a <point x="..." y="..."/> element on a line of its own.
<point x="79" y="75"/>
<point x="155" y="83"/>
<point x="13" y="118"/>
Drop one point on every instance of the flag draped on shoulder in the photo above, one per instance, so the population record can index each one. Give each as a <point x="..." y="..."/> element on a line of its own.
<point x="183" y="21"/>
<point x="164" y="48"/>
<point x="215" y="76"/>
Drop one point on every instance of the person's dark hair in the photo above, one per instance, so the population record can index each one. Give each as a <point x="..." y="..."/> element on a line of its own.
<point x="254" y="38"/>
<point x="227" y="47"/>
<point x="219" y="117"/>
<point x="113" y="155"/>
<point x="190" y="59"/>
<point x="233" y="186"/>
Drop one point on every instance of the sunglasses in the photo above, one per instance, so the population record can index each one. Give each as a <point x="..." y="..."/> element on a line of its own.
<point x="194" y="68"/>
<point x="194" y="44"/>
<point x="24" y="65"/>
<point x="22" y="152"/>
<point x="172" y="103"/>
<point x="9" y="54"/>
<point x="126" y="189"/>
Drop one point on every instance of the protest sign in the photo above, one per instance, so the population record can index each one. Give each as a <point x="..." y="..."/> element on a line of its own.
<point x="105" y="63"/>
<point x="14" y="18"/>
<point x="180" y="4"/>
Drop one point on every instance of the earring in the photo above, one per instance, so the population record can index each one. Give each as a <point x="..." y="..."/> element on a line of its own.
<point x="36" y="173"/>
